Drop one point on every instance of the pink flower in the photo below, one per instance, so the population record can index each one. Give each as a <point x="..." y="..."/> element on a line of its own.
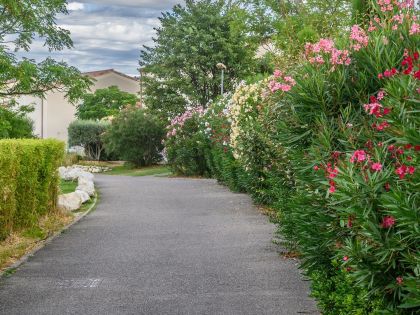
<point x="411" y="170"/>
<point x="401" y="171"/>
<point x="345" y="258"/>
<point x="381" y="126"/>
<point x="388" y="222"/>
<point x="358" y="156"/>
<point x="381" y="95"/>
<point x="376" y="166"/>
<point x="285" y="87"/>
<point x="340" y="57"/>
<point x="399" y="280"/>
<point x="316" y="167"/>
<point x="290" y="80"/>
<point x="359" y="36"/>
<point x="414" y="29"/>
<point x="278" y="73"/>
<point x="371" y="27"/>
<point x="373" y="109"/>
<point x="332" y="189"/>
<point x="386" y="111"/>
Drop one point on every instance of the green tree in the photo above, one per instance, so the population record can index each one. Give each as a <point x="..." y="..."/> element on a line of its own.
<point x="88" y="134"/>
<point x="136" y="136"/>
<point x="20" y="22"/>
<point x="14" y="123"/>
<point x="104" y="103"/>
<point x="180" y="70"/>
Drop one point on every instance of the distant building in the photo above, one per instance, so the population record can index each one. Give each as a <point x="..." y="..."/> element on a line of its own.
<point x="54" y="113"/>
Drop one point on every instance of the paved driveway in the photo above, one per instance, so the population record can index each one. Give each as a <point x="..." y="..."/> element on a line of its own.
<point x="161" y="246"/>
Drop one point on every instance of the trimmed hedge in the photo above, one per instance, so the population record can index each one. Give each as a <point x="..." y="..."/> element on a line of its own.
<point x="28" y="181"/>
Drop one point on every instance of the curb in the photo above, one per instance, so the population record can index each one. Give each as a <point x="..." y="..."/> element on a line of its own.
<point x="41" y="244"/>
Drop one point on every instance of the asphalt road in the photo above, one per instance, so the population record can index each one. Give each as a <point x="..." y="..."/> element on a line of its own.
<point x="161" y="246"/>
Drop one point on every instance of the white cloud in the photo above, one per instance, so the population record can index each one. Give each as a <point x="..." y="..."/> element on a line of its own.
<point x="151" y="4"/>
<point x="106" y="33"/>
<point x="75" y="6"/>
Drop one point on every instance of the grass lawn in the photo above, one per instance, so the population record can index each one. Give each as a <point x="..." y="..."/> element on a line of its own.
<point x="67" y="186"/>
<point x="145" y="171"/>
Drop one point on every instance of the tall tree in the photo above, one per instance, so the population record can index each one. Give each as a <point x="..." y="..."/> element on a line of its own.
<point x="21" y="21"/>
<point x="105" y="102"/>
<point x="180" y="70"/>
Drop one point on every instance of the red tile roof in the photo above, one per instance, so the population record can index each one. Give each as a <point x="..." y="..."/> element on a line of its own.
<point x="95" y="74"/>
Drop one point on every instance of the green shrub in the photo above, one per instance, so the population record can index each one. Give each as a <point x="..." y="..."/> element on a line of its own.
<point x="28" y="181"/>
<point x="88" y="134"/>
<point x="14" y="124"/>
<point x="136" y="136"/>
<point x="185" y="145"/>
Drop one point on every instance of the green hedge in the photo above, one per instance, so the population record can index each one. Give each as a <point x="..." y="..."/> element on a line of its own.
<point x="28" y="181"/>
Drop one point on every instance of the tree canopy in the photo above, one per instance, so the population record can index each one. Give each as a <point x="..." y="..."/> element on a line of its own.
<point x="180" y="70"/>
<point x="104" y="102"/>
<point x="20" y="23"/>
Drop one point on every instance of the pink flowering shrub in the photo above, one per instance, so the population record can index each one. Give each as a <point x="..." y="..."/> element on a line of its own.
<point x="372" y="182"/>
<point x="185" y="144"/>
<point x="281" y="82"/>
<point x="335" y="149"/>
<point x="178" y="122"/>
<point x="325" y="52"/>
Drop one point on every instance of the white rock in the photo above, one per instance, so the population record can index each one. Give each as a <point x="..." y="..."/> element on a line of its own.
<point x="69" y="202"/>
<point x="74" y="172"/>
<point x="84" y="196"/>
<point x="87" y="175"/>
<point x="62" y="171"/>
<point x="86" y="185"/>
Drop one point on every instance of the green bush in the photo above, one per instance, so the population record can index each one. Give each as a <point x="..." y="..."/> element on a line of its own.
<point x="28" y="181"/>
<point x="88" y="134"/>
<point x="14" y="124"/>
<point x="135" y="136"/>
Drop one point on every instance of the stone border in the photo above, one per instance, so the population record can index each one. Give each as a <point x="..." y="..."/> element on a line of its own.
<point x="41" y="244"/>
<point x="84" y="191"/>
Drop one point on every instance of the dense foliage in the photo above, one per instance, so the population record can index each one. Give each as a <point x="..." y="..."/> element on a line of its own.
<point x="180" y="70"/>
<point x="335" y="149"/>
<point x="28" y="181"/>
<point x="136" y="136"/>
<point x="88" y="134"/>
<point x="104" y="103"/>
<point x="14" y="123"/>
<point x="20" y="23"/>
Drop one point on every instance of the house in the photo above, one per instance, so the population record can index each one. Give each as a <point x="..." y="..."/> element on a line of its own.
<point x="53" y="114"/>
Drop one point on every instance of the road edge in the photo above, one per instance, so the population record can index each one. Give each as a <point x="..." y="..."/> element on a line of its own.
<point x="41" y="244"/>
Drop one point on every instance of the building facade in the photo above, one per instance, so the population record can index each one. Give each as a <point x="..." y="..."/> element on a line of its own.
<point x="53" y="114"/>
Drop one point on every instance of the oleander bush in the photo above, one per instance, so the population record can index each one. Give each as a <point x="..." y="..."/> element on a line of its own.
<point x="28" y="181"/>
<point x="186" y="144"/>
<point x="334" y="147"/>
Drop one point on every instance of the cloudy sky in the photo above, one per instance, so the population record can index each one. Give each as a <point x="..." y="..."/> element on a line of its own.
<point x="107" y="33"/>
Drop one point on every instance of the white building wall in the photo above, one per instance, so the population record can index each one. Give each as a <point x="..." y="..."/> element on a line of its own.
<point x="58" y="113"/>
